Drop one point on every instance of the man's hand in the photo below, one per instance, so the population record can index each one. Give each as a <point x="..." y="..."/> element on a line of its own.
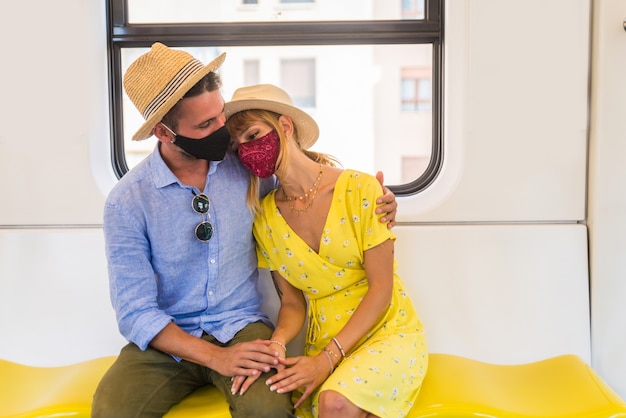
<point x="242" y="383"/>
<point x="245" y="359"/>
<point x="387" y="203"/>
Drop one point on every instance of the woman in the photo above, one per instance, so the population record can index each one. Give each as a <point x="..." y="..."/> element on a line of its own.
<point x="366" y="353"/>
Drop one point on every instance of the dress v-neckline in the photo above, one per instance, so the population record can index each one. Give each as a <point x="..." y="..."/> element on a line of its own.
<point x="330" y="208"/>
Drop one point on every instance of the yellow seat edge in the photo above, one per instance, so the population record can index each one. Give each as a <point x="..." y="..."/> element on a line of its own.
<point x="458" y="411"/>
<point x="74" y="410"/>
<point x="615" y="406"/>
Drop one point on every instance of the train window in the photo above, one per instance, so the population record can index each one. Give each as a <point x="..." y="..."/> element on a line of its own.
<point x="373" y="85"/>
<point x="203" y="11"/>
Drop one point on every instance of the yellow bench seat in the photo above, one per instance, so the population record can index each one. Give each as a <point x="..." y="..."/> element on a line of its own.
<point x="559" y="387"/>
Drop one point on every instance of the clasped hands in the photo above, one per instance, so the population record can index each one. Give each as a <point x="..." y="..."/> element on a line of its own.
<point x="246" y="361"/>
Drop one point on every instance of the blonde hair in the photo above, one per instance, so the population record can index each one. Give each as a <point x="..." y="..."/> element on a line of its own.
<point x="239" y="121"/>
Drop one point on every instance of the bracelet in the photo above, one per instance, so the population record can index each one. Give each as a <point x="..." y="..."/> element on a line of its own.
<point x="330" y="361"/>
<point x="343" y="354"/>
<point x="280" y="344"/>
<point x="331" y="352"/>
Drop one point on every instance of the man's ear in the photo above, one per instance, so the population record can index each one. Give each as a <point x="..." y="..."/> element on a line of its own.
<point x="287" y="124"/>
<point x="162" y="133"/>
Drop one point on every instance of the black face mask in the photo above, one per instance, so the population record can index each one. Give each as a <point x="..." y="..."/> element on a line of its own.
<point x="211" y="148"/>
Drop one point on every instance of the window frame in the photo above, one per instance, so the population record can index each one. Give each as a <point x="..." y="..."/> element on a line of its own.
<point x="121" y="34"/>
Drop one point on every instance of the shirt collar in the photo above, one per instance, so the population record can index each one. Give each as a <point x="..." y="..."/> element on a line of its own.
<point x="162" y="174"/>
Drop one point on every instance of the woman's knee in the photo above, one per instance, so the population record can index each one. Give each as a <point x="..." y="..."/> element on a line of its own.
<point x="334" y="404"/>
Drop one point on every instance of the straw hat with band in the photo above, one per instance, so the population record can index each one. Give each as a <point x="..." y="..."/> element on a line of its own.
<point x="158" y="79"/>
<point x="275" y="99"/>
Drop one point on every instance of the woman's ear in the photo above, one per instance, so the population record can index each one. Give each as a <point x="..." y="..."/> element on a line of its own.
<point x="287" y="124"/>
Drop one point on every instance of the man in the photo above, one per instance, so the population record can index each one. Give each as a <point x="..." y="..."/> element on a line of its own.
<point x="181" y="256"/>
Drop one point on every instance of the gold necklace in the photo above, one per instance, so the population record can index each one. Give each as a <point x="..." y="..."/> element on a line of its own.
<point x="312" y="192"/>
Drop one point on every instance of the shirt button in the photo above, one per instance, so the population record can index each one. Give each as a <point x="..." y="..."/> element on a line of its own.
<point x="212" y="261"/>
<point x="210" y="293"/>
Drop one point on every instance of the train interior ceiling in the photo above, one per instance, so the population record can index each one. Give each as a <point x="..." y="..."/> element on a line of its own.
<point x="513" y="253"/>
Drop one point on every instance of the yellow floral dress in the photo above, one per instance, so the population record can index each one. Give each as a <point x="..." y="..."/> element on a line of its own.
<point x="383" y="373"/>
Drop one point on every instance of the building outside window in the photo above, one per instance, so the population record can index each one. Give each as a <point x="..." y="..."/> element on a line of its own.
<point x="298" y="78"/>
<point x="251" y="72"/>
<point x="416" y="89"/>
<point x="412" y="9"/>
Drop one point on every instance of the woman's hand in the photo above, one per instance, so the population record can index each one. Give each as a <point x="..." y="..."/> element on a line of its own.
<point x="241" y="384"/>
<point x="301" y="372"/>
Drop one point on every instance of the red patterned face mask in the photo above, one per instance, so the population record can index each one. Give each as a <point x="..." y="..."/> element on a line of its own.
<point x="259" y="156"/>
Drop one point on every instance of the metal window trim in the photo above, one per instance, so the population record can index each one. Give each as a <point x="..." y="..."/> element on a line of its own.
<point x="430" y="30"/>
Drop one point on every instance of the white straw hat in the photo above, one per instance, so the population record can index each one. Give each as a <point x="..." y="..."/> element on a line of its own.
<point x="158" y="79"/>
<point x="275" y="99"/>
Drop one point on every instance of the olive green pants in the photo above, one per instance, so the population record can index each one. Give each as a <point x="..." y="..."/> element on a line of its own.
<point x="148" y="383"/>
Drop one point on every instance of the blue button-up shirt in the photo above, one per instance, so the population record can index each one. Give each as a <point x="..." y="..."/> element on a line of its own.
<point x="160" y="272"/>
